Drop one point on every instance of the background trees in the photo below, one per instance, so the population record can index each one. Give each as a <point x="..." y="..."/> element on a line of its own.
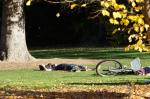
<point x="128" y="16"/>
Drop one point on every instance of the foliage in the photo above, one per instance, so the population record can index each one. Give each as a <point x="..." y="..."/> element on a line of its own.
<point x="127" y="16"/>
<point x="28" y="3"/>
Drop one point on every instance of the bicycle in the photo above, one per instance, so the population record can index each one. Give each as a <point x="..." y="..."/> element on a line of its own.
<point x="112" y="67"/>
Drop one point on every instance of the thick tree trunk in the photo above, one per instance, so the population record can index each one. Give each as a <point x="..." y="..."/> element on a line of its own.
<point x="147" y="16"/>
<point x="13" y="42"/>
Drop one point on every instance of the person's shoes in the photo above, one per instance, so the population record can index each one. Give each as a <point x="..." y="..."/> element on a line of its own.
<point x="45" y="67"/>
<point x="48" y="67"/>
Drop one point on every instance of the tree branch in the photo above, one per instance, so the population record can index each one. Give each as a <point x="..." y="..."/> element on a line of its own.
<point x="69" y="1"/>
<point x="60" y="2"/>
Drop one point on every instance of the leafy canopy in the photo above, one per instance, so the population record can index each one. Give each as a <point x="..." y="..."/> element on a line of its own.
<point x="126" y="16"/>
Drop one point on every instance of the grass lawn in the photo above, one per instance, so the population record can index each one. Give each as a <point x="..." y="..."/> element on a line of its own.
<point x="89" y="53"/>
<point x="93" y="53"/>
<point x="34" y="79"/>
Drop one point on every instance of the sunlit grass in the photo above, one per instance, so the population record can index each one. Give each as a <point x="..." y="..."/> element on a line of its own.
<point x="90" y="53"/>
<point x="31" y="79"/>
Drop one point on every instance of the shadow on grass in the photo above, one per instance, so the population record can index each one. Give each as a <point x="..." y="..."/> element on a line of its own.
<point x="110" y="84"/>
<point x="89" y="53"/>
<point x="62" y="95"/>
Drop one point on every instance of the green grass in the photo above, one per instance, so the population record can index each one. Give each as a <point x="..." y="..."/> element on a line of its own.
<point x="90" y="53"/>
<point x="32" y="79"/>
<point x="93" y="53"/>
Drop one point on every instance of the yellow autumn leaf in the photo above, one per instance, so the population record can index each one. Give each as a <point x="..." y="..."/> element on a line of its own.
<point x="10" y="97"/>
<point x="133" y="4"/>
<point x="135" y="25"/>
<point x="124" y="22"/>
<point x="102" y="3"/>
<point x="141" y="16"/>
<point x="116" y="22"/>
<point x="125" y="11"/>
<point x="137" y="9"/>
<point x="141" y="29"/>
<point x="105" y="13"/>
<point x="73" y="6"/>
<point x="139" y="1"/>
<point x="57" y="14"/>
<point x="146" y="26"/>
<point x="126" y="49"/>
<point x="83" y="5"/>
<point x="144" y="37"/>
<point x="146" y="49"/>
<point x="140" y="49"/>
<point x="141" y="34"/>
<point x="130" y="17"/>
<point x="116" y="6"/>
<point x="136" y="28"/>
<point x="114" y="31"/>
<point x="111" y="20"/>
<point x="106" y="4"/>
<point x="131" y="46"/>
<point x="141" y="21"/>
<point x="129" y="31"/>
<point x="139" y="42"/>
<point x="131" y="36"/>
<point x="28" y="3"/>
<point x="121" y="6"/>
<point x="124" y="15"/>
<point x="136" y="47"/>
<point x="133" y="18"/>
<point x="117" y="15"/>
<point x="113" y="2"/>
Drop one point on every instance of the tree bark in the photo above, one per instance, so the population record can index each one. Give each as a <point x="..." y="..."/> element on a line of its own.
<point x="146" y="12"/>
<point x="13" y="42"/>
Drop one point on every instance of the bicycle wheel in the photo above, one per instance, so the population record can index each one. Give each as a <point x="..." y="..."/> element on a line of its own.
<point x="108" y="67"/>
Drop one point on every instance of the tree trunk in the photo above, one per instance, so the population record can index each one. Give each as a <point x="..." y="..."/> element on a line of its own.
<point x="13" y="42"/>
<point x="146" y="12"/>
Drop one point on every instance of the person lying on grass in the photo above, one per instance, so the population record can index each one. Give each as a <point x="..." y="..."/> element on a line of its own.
<point x="137" y="67"/>
<point x="144" y="71"/>
<point x="65" y="67"/>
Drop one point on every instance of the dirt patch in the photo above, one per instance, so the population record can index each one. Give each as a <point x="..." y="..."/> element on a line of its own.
<point x="62" y="95"/>
<point x="34" y="64"/>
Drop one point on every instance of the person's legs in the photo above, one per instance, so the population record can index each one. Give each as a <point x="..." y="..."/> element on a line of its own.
<point x="141" y="72"/>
